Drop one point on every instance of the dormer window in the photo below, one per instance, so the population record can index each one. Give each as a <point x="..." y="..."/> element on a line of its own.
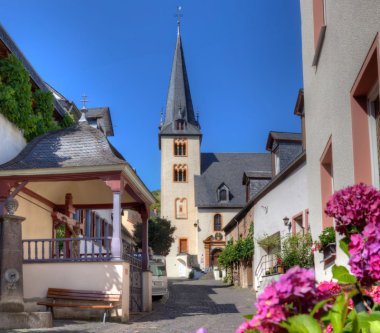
<point x="223" y="193"/>
<point x="180" y="125"/>
<point x="180" y="147"/>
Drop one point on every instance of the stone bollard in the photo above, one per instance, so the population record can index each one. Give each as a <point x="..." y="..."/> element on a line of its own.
<point x="11" y="282"/>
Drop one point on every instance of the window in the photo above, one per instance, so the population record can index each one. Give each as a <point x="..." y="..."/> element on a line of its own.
<point x="298" y="224"/>
<point x="181" y="208"/>
<point x="365" y="119"/>
<point x="217" y="222"/>
<point x="183" y="245"/>
<point x="180" y="125"/>
<point x="180" y="147"/>
<point x="223" y="193"/>
<point x="319" y="16"/>
<point x="327" y="185"/>
<point x="374" y="132"/>
<point x="180" y="173"/>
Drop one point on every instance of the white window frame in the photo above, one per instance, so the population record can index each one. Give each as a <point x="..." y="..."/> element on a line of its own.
<point x="372" y="96"/>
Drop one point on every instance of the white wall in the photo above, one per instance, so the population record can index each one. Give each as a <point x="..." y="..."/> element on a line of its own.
<point x="12" y="140"/>
<point x="351" y="28"/>
<point x="287" y="199"/>
<point x="206" y="228"/>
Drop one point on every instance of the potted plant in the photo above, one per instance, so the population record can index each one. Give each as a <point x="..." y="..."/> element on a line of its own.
<point x="327" y="242"/>
<point x="280" y="268"/>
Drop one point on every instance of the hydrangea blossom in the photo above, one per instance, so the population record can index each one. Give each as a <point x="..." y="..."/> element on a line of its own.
<point x="328" y="289"/>
<point x="353" y="207"/>
<point x="295" y="292"/>
<point x="364" y="252"/>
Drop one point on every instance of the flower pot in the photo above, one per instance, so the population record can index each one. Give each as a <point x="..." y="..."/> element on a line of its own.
<point x="280" y="270"/>
<point x="329" y="250"/>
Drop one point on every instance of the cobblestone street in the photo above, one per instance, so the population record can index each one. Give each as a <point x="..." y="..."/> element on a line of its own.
<point x="191" y="304"/>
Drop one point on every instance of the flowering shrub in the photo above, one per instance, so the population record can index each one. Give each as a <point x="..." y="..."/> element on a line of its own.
<point x="354" y="207"/>
<point x="297" y="304"/>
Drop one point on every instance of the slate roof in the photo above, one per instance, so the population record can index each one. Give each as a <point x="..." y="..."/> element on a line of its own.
<point x="179" y="104"/>
<point x="77" y="146"/>
<point x="228" y="169"/>
<point x="13" y="48"/>
<point x="282" y="136"/>
<point x="298" y="162"/>
<point x="257" y="175"/>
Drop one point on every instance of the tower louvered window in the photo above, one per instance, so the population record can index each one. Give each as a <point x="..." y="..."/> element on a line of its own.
<point x="180" y="147"/>
<point x="180" y="173"/>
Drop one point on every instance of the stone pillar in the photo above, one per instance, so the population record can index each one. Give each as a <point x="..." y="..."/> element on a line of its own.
<point x="147" y="291"/>
<point x="145" y="245"/>
<point x="116" y="244"/>
<point x="125" y="295"/>
<point x="11" y="281"/>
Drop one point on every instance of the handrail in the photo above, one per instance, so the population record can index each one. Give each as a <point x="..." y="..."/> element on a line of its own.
<point x="66" y="249"/>
<point x="262" y="266"/>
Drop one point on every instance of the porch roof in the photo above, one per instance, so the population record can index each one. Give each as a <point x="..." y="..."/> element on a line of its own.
<point x="80" y="152"/>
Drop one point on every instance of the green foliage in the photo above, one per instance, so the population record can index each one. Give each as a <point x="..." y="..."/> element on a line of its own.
<point x="160" y="233"/>
<point x="32" y="112"/>
<point x="157" y="205"/>
<point x="302" y="324"/>
<point x="228" y="257"/>
<point x="269" y="242"/>
<point x="296" y="251"/>
<point x="327" y="236"/>
<point x="66" y="121"/>
<point x="245" y="249"/>
<point x="342" y="275"/>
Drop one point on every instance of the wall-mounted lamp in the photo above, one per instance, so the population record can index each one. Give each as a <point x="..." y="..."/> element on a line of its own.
<point x="195" y="224"/>
<point x="286" y="221"/>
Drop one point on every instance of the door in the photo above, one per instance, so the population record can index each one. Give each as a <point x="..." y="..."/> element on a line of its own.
<point x="183" y="245"/>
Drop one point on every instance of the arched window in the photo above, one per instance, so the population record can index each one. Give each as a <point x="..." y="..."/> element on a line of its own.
<point x="217" y="222"/>
<point x="180" y="147"/>
<point x="181" y="208"/>
<point x="180" y="172"/>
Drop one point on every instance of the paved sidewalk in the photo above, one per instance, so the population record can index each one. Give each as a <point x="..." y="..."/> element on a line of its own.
<point x="190" y="305"/>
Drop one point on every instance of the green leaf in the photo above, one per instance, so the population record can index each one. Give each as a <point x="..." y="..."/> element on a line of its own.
<point x="319" y="306"/>
<point x="365" y="319"/>
<point x="342" y="274"/>
<point x="343" y="244"/>
<point x="302" y="324"/>
<point x="248" y="316"/>
<point x="374" y="326"/>
<point x="338" y="314"/>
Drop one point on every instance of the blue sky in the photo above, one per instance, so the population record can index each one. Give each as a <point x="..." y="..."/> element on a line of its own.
<point x="243" y="59"/>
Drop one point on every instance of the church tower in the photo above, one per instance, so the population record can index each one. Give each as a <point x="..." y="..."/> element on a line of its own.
<point x="179" y="141"/>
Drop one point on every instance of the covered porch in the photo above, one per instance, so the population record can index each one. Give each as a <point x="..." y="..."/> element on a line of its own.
<point x="72" y="187"/>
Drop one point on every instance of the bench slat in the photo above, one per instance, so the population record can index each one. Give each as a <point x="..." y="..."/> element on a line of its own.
<point x="82" y="306"/>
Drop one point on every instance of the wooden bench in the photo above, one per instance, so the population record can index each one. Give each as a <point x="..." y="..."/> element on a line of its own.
<point x="87" y="299"/>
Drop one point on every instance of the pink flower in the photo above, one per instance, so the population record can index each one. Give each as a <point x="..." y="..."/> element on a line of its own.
<point x="365" y="255"/>
<point x="295" y="292"/>
<point x="353" y="207"/>
<point x="201" y="330"/>
<point x="329" y="328"/>
<point x="374" y="292"/>
<point x="328" y="289"/>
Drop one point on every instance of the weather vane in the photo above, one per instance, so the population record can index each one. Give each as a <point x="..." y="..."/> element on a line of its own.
<point x="84" y="101"/>
<point x="179" y="15"/>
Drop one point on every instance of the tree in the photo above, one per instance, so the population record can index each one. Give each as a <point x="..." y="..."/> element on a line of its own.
<point x="156" y="207"/>
<point x="160" y="235"/>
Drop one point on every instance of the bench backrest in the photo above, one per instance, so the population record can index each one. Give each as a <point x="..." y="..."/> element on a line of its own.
<point x="85" y="295"/>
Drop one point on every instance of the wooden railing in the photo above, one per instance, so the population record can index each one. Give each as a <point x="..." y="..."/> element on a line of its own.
<point x="66" y="249"/>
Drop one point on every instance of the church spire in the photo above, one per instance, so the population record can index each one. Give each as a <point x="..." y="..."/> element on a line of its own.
<point x="179" y="115"/>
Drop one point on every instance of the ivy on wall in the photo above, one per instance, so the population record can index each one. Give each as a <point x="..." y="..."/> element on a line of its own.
<point x="32" y="112"/>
